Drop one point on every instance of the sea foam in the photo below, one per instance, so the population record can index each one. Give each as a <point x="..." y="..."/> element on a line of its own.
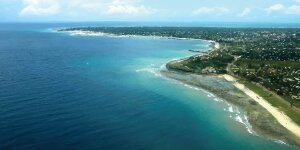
<point x="244" y="120"/>
<point x="151" y="69"/>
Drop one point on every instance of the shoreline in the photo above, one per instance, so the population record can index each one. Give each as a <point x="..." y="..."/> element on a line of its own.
<point x="282" y="118"/>
<point x="279" y="117"/>
<point x="213" y="45"/>
<point x="93" y="33"/>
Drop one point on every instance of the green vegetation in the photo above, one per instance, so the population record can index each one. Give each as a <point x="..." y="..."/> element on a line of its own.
<point x="282" y="77"/>
<point x="214" y="62"/>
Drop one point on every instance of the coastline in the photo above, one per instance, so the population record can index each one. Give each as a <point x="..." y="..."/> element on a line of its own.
<point x="286" y="131"/>
<point x="212" y="46"/>
<point x="92" y="33"/>
<point x="279" y="117"/>
<point x="282" y="118"/>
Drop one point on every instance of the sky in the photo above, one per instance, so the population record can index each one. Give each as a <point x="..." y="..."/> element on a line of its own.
<point x="279" y="11"/>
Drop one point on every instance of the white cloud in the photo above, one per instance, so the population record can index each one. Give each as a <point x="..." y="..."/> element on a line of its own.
<point x="293" y="10"/>
<point x="80" y="7"/>
<point x="83" y="4"/>
<point x="128" y="8"/>
<point x="275" y="8"/>
<point x="245" y="12"/>
<point x="40" y="7"/>
<point x="211" y="11"/>
<point x="85" y="8"/>
<point x="298" y="1"/>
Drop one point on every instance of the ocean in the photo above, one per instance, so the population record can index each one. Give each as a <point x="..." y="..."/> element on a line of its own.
<point x="62" y="91"/>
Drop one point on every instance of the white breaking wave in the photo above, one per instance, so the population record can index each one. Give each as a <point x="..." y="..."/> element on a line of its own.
<point x="155" y="70"/>
<point x="85" y="33"/>
<point x="230" y="109"/>
<point x="92" y="33"/>
<point x="244" y="120"/>
<point x="211" y="95"/>
<point x="151" y="69"/>
<point x="280" y="142"/>
<point x="239" y="117"/>
<point x="191" y="87"/>
<point x="217" y="100"/>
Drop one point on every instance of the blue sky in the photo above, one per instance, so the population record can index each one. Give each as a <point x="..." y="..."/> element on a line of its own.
<point x="281" y="11"/>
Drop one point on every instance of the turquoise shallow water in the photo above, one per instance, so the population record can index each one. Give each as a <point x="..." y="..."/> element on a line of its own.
<point x="85" y="92"/>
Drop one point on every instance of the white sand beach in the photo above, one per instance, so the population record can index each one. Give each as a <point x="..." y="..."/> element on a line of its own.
<point x="283" y="119"/>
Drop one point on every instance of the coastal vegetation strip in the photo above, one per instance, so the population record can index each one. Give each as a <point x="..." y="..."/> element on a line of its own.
<point x="277" y="113"/>
<point x="275" y="101"/>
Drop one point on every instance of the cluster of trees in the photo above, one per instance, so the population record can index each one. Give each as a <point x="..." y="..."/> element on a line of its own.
<point x="282" y="77"/>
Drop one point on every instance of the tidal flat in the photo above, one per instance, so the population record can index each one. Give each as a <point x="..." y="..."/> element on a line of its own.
<point x="262" y="123"/>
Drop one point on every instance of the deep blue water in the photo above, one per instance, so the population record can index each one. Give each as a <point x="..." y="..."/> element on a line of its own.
<point x="80" y="92"/>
